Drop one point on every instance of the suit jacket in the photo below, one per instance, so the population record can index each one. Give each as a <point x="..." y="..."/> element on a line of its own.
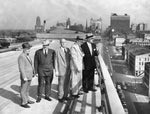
<point x="26" y="68"/>
<point x="62" y="61"/>
<point x="44" y="64"/>
<point x="76" y="57"/>
<point x="88" y="59"/>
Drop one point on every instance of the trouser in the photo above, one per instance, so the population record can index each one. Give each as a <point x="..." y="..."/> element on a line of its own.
<point x="88" y="79"/>
<point x="47" y="80"/>
<point x="63" y="86"/>
<point x="24" y="91"/>
<point x="76" y="82"/>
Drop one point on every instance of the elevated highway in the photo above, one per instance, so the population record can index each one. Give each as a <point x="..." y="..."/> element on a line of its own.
<point x="87" y="103"/>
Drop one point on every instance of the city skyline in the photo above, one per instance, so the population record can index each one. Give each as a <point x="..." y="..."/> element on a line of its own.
<point x="21" y="14"/>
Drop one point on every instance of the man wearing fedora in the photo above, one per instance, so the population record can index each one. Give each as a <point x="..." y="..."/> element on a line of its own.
<point x="76" y="67"/>
<point x="44" y="65"/>
<point x="26" y="70"/>
<point x="90" y="51"/>
<point x="62" y="68"/>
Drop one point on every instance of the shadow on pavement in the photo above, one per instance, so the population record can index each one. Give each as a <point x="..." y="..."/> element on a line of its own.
<point x="140" y="89"/>
<point x="142" y="108"/>
<point x="10" y="95"/>
<point x="33" y="90"/>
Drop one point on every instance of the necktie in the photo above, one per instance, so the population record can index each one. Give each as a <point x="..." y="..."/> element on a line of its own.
<point x="45" y="52"/>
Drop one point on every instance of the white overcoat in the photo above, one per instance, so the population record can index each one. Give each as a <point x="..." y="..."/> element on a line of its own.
<point x="76" y="68"/>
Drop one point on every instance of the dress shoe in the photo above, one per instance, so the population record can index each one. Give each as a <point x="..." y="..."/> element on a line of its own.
<point x="92" y="89"/>
<point x="61" y="100"/>
<point x="67" y="98"/>
<point x="86" y="91"/>
<point x="75" y="96"/>
<point x="38" y="100"/>
<point x="100" y="109"/>
<point x="30" y="102"/>
<point x="25" y="105"/>
<point x="48" y="98"/>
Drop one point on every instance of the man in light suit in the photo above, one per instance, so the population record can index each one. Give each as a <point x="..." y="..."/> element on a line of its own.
<point x="76" y="67"/>
<point x="26" y="73"/>
<point x="62" y="70"/>
<point x="90" y="51"/>
<point x="44" y="65"/>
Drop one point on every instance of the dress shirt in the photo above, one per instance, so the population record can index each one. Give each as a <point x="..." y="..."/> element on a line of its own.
<point x="45" y="51"/>
<point x="90" y="47"/>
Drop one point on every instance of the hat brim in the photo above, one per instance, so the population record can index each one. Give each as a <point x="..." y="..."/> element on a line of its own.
<point x="45" y="44"/>
<point x="90" y="37"/>
<point x="79" y="39"/>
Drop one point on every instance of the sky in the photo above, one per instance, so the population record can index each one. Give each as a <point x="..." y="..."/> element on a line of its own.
<point x="21" y="14"/>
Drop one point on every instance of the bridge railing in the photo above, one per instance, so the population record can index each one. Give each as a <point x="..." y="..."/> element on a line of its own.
<point x="110" y="100"/>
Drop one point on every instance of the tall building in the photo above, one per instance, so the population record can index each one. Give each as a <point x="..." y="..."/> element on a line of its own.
<point x="133" y="27"/>
<point x="120" y="23"/>
<point x="141" y="27"/>
<point x="38" y="27"/>
<point x="68" y="23"/>
<point x="96" y="25"/>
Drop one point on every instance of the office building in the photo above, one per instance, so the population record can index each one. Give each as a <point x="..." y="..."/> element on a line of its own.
<point x="137" y="60"/>
<point x="120" y="23"/>
<point x="38" y="27"/>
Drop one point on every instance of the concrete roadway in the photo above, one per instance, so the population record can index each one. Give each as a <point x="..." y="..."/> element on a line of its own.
<point x="10" y="97"/>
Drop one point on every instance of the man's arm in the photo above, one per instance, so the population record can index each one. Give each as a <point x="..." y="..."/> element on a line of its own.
<point x="56" y="64"/>
<point x="21" y="68"/>
<point x="36" y="62"/>
<point x="96" y="53"/>
<point x="74" y="57"/>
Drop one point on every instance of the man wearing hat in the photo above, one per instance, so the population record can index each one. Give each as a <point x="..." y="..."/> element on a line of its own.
<point x="26" y="70"/>
<point x="90" y="51"/>
<point x="76" y="67"/>
<point x="44" y="65"/>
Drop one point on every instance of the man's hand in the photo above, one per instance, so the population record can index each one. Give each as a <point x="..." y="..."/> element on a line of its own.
<point x="36" y="75"/>
<point x="56" y="73"/>
<point x="25" y="79"/>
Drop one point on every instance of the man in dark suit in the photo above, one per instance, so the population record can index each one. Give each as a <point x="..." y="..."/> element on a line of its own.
<point x="90" y="51"/>
<point x="26" y="70"/>
<point x="44" y="65"/>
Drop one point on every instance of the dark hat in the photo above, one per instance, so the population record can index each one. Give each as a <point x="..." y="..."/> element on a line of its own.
<point x="26" y="45"/>
<point x="90" y="35"/>
<point x="78" y="38"/>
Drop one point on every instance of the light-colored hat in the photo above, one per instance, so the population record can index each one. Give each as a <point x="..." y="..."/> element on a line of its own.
<point x="46" y="42"/>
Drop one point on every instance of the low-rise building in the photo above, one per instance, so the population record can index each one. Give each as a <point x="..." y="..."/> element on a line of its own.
<point x="137" y="60"/>
<point x="146" y="78"/>
<point x="126" y="49"/>
<point x="118" y="41"/>
<point x="140" y="41"/>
